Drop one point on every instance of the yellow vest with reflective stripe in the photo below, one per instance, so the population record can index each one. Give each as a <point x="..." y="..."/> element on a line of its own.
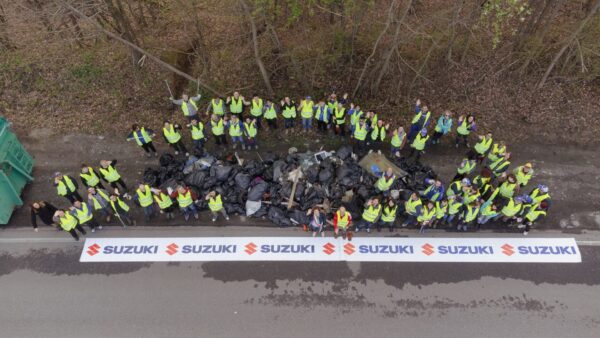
<point x="215" y="204"/>
<point x="355" y="117"/>
<point x="389" y="215"/>
<point x="483" y="145"/>
<point x="370" y="213"/>
<point x="197" y="131"/>
<point x="145" y="198"/>
<point x="145" y="136"/>
<point x="97" y="205"/>
<point x="110" y="174"/>
<point x="217" y="128"/>
<point x="68" y="222"/>
<point x="257" y="108"/>
<point x="289" y="112"/>
<point x="507" y="189"/>
<point x="533" y="214"/>
<point x="271" y="113"/>
<point x="90" y="178"/>
<point x="467" y="168"/>
<point x="417" y="117"/>
<point x="419" y="142"/>
<point x="440" y="210"/>
<point x="342" y="222"/>
<point x="217" y="108"/>
<point x="163" y="201"/>
<point x="340" y="115"/>
<point x="184" y="200"/>
<point x="250" y="129"/>
<point x="427" y="215"/>
<point x="511" y="209"/>
<point x="120" y="202"/>
<point x="171" y="134"/>
<point x="453" y="206"/>
<point x="383" y="184"/>
<point x="307" y="109"/>
<point x="234" y="129"/>
<point x="184" y="107"/>
<point x="471" y="214"/>
<point x="397" y="140"/>
<point x="522" y="178"/>
<point x="411" y="206"/>
<point x="84" y="214"/>
<point x="462" y="128"/>
<point x="378" y="133"/>
<point x="496" y="152"/>
<point x="65" y="186"/>
<point x="537" y="199"/>
<point x="360" y="133"/>
<point x="235" y="107"/>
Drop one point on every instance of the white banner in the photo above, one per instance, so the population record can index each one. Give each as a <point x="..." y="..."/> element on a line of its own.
<point x="362" y="249"/>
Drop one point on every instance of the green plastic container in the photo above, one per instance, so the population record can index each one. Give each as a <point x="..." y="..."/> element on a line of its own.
<point x="16" y="166"/>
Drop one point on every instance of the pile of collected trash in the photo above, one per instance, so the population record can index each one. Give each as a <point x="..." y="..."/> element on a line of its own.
<point x="262" y="188"/>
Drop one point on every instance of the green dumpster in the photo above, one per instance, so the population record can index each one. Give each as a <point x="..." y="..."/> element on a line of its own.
<point x="15" y="170"/>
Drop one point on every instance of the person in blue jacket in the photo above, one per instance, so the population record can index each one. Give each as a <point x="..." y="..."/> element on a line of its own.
<point x="443" y="127"/>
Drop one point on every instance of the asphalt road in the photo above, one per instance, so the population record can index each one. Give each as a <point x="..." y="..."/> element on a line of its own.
<point x="45" y="291"/>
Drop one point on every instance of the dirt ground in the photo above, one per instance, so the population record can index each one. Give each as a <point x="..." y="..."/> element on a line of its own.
<point x="571" y="173"/>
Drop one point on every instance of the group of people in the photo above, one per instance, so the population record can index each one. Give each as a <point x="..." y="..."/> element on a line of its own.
<point x="472" y="199"/>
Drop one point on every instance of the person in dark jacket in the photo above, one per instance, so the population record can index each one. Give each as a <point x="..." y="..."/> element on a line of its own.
<point x="45" y="211"/>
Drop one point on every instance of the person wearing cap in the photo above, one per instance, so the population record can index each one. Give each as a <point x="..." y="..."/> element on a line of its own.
<point x="323" y="116"/>
<point x="420" y="121"/>
<point x="186" y="199"/>
<point x="251" y="132"/>
<point x="120" y="210"/>
<point x="442" y="127"/>
<point x="511" y="209"/>
<point x="99" y="200"/>
<point x="216" y="106"/>
<point x="370" y="216"/>
<point x="84" y="215"/>
<point x="523" y="174"/>
<point x="434" y="191"/>
<point x="468" y="216"/>
<point x="483" y="146"/>
<point x="456" y="187"/>
<point x="271" y="115"/>
<point x="236" y="105"/>
<point x="172" y="135"/>
<point x="257" y="108"/>
<point x="418" y="144"/>
<point x="532" y="213"/>
<point x="466" y="168"/>
<point x="317" y="221"/>
<point x="413" y="208"/>
<point x="189" y="106"/>
<point x="540" y="194"/>
<point x="68" y="223"/>
<point x="89" y="177"/>
<point x="306" y="108"/>
<point x="164" y="202"/>
<point x="66" y="186"/>
<point x="427" y="217"/>
<point x="397" y="141"/>
<point x="288" y="111"/>
<point x="360" y="134"/>
<point x="342" y="222"/>
<point x="215" y="204"/>
<point x="143" y="196"/>
<point x="465" y="126"/>
<point x="236" y="131"/>
<point x="388" y="216"/>
<point x="143" y="137"/>
<point x="509" y="187"/>
<point x="111" y="176"/>
<point x="385" y="181"/>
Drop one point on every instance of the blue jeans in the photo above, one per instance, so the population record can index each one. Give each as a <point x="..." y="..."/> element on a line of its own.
<point x="410" y="220"/>
<point x="414" y="129"/>
<point x="393" y="150"/>
<point x="288" y="123"/>
<point x="237" y="139"/>
<point x="190" y="208"/>
<point x="198" y="144"/>
<point x="363" y="224"/>
<point x="450" y="218"/>
<point x="307" y="123"/>
<point x="484" y="219"/>
<point x="149" y="212"/>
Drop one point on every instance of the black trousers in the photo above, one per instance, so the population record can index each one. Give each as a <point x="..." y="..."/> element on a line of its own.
<point x="220" y="139"/>
<point x="74" y="233"/>
<point x="93" y="224"/>
<point x="73" y="196"/>
<point x="179" y="146"/>
<point x="340" y="129"/>
<point x="462" y="138"/>
<point x="120" y="182"/>
<point x="149" y="147"/>
<point x="322" y="125"/>
<point x="272" y="123"/>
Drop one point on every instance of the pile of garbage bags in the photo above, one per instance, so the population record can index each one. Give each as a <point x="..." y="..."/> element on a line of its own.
<point x="262" y="188"/>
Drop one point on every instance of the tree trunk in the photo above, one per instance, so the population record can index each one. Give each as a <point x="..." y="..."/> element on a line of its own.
<point x="568" y="42"/>
<point x="257" y="57"/>
<point x="115" y="8"/>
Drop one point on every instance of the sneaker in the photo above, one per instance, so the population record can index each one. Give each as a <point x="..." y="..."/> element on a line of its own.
<point x="379" y="152"/>
<point x="521" y="226"/>
<point x="187" y="154"/>
<point x="100" y="227"/>
<point x="243" y="147"/>
<point x="525" y="233"/>
<point x="234" y="145"/>
<point x="176" y="152"/>
<point x="186" y="217"/>
<point x="368" y="230"/>
<point x="227" y="218"/>
<point x="214" y="219"/>
<point x="93" y="230"/>
<point x="155" y="154"/>
<point x="196" y="216"/>
<point x="134" y="223"/>
<point x="148" y="155"/>
<point x="370" y="151"/>
<point x="256" y="147"/>
<point x="456" y="145"/>
<point x="404" y="225"/>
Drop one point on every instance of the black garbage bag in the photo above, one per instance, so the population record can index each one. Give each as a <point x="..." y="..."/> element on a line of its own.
<point x="242" y="181"/>
<point x="170" y="183"/>
<point x="298" y="217"/>
<point x="348" y="182"/>
<point x="256" y="192"/>
<point x="150" y="177"/>
<point x="253" y="168"/>
<point x="343" y="171"/>
<point x="267" y="175"/>
<point x="209" y="182"/>
<point x="326" y="174"/>
<point x="234" y="209"/>
<point x="344" y="152"/>
<point x="312" y="173"/>
<point x="165" y="159"/>
<point x="269" y="158"/>
<point x="299" y="191"/>
<point x="278" y="167"/>
<point x="220" y="172"/>
<point x="277" y="216"/>
<point x="363" y="192"/>
<point x="262" y="212"/>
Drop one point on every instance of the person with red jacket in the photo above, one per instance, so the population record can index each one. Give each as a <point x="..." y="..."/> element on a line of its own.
<point x="186" y="198"/>
<point x="341" y="223"/>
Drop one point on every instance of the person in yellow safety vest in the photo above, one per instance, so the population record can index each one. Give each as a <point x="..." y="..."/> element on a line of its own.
<point x="186" y="198"/>
<point x="332" y="102"/>
<point x="99" y="200"/>
<point x="378" y="133"/>
<point x="385" y="182"/>
<point x="509" y="187"/>
<point x="523" y="174"/>
<point x="323" y="116"/>
<point x="89" y="177"/>
<point x="342" y="223"/>
<point x="468" y="216"/>
<point x="413" y="208"/>
<point x="420" y="121"/>
<point x="470" y="195"/>
<point x="441" y="212"/>
<point x="256" y="110"/>
<point x="66" y="186"/>
<point x="236" y="105"/>
<point x="236" y="131"/>
<point x="443" y="127"/>
<point x="531" y="214"/>
<point x="388" y="216"/>
<point x="111" y="176"/>
<point x="372" y="119"/>
<point x="84" y="215"/>
<point x="251" y="132"/>
<point x="466" y="168"/>
<point x="271" y="115"/>
<point x="143" y="196"/>
<point x="306" y="108"/>
<point x="164" y="202"/>
<point x="143" y="137"/>
<point x="511" y="209"/>
<point x="215" y="204"/>
<point x="288" y="111"/>
<point x="540" y="194"/>
<point x="217" y="128"/>
<point x="189" y="106"/>
<point x="172" y="135"/>
<point x="455" y="206"/>
<point x="426" y="217"/>
<point x="355" y="114"/>
<point x="370" y="215"/>
<point x="121" y="210"/>
<point x="483" y="179"/>
<point x="68" y="223"/>
<point x="216" y="106"/>
<point x="501" y="165"/>
<point x="397" y="142"/>
<point x="465" y="126"/>
<point x="418" y="144"/>
<point x="487" y="211"/>
<point x="339" y="118"/>
<point x="198" y="137"/>
<point x="483" y="146"/>
<point x="360" y="134"/>
<point x="434" y="191"/>
<point x="498" y="150"/>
